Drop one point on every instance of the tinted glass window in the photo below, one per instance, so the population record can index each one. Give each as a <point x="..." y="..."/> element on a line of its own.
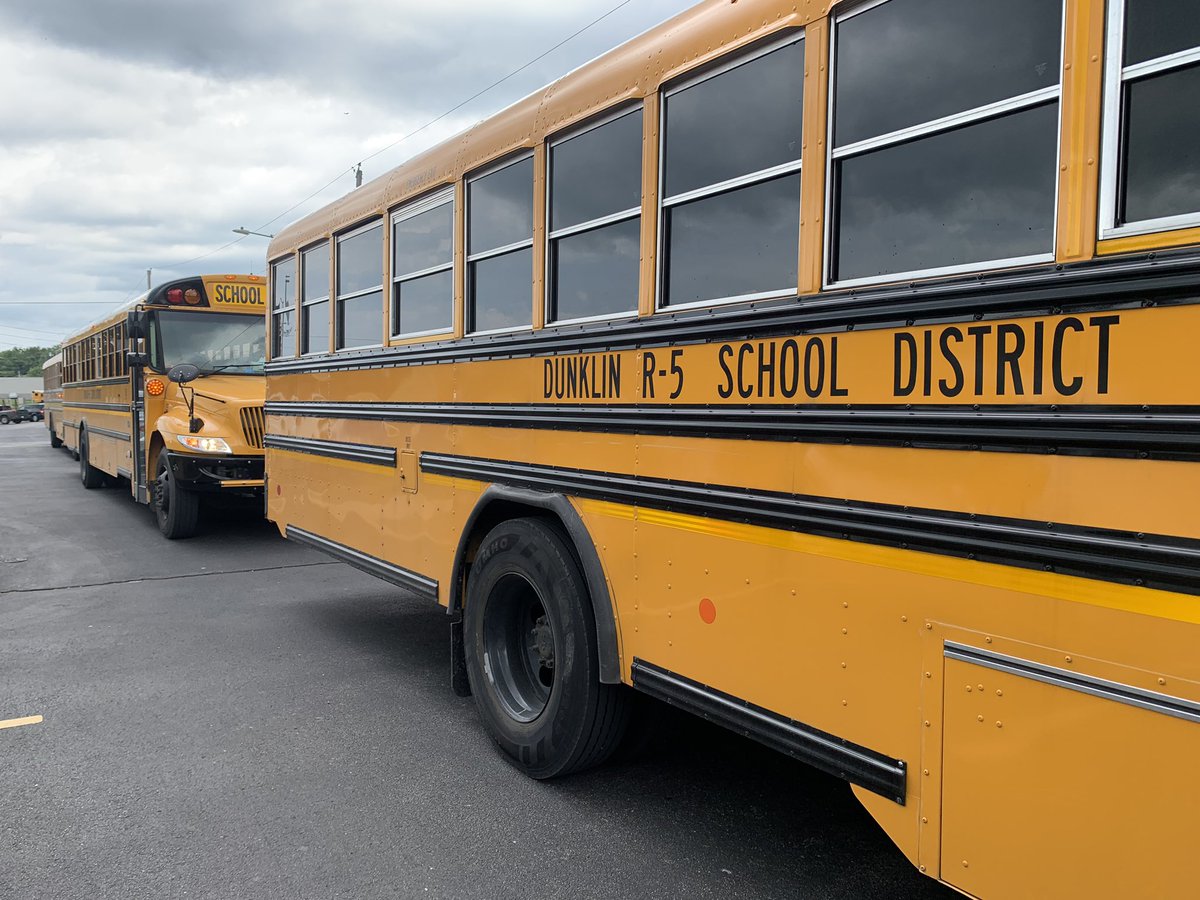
<point x="501" y="289"/>
<point x="981" y="192"/>
<point x="360" y="320"/>
<point x="316" y="327"/>
<point x="283" y="284"/>
<point x="597" y="173"/>
<point x="228" y="342"/>
<point x="1155" y="28"/>
<point x="285" y="341"/>
<point x="735" y="123"/>
<point x="423" y="241"/>
<point x="906" y="62"/>
<point x="424" y="304"/>
<point x="1162" y="176"/>
<point x="596" y="272"/>
<point x="500" y="207"/>
<point x="741" y="242"/>
<point x="316" y="272"/>
<point x="360" y="262"/>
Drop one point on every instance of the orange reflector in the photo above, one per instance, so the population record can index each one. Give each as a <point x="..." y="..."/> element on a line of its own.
<point x="708" y="611"/>
<point x="155" y="388"/>
<point x="191" y="297"/>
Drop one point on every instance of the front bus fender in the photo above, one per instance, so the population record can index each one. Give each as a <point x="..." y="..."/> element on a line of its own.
<point x="499" y="502"/>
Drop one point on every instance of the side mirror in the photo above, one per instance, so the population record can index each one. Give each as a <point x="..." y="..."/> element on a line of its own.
<point x="183" y="373"/>
<point x="136" y="360"/>
<point x="135" y="324"/>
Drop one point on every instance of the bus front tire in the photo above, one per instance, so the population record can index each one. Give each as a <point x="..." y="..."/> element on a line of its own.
<point x="176" y="508"/>
<point x="89" y="475"/>
<point x="532" y="655"/>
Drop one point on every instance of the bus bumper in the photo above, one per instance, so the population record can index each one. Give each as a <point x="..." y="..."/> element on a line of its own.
<point x="217" y="473"/>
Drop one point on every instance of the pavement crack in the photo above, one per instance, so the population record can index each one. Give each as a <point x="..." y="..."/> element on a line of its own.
<point x="92" y="584"/>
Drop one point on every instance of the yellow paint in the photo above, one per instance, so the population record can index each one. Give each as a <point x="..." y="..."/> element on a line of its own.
<point x="1145" y="601"/>
<point x="812" y="175"/>
<point x="1157" y="240"/>
<point x="1079" y="146"/>
<point x="844" y="636"/>
<point x="17" y="723"/>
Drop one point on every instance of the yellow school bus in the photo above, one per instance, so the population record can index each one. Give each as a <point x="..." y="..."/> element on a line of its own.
<point x="826" y="369"/>
<point x="51" y="396"/>
<point x="166" y="394"/>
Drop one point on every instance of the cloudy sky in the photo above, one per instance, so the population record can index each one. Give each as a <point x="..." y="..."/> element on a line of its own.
<point x="137" y="134"/>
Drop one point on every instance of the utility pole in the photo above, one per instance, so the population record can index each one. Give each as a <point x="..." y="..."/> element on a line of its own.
<point x="358" y="175"/>
<point x="148" y="271"/>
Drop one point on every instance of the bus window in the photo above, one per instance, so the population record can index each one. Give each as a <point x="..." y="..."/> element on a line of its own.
<point x="731" y="180"/>
<point x="595" y="220"/>
<point x="360" y="287"/>
<point x="1152" y="138"/>
<point x="500" y="247"/>
<point x="423" y="266"/>
<point x="283" y="308"/>
<point x="944" y="135"/>
<point x="314" y="271"/>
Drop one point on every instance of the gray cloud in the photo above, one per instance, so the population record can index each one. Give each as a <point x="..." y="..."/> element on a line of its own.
<point x="138" y="133"/>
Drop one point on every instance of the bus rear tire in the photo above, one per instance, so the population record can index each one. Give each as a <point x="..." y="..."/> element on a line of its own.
<point x="532" y="655"/>
<point x="89" y="475"/>
<point x="55" y="440"/>
<point x="176" y="508"/>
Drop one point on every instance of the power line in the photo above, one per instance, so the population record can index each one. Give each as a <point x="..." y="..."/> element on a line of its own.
<point x="30" y="330"/>
<point x="455" y="109"/>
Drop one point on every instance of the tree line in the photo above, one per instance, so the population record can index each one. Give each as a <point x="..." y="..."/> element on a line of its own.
<point x="24" y="362"/>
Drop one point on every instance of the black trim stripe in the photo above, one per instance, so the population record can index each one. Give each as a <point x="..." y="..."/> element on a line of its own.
<point x="1161" y="561"/>
<point x="363" y="453"/>
<point x="1167" y="705"/>
<point x="104" y="432"/>
<point x="857" y="764"/>
<point x="114" y="407"/>
<point x="1161" y="432"/>
<point x="1162" y="277"/>
<point x="419" y="584"/>
<point x="96" y="381"/>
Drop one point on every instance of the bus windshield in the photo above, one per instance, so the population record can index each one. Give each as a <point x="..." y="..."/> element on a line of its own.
<point x="215" y="342"/>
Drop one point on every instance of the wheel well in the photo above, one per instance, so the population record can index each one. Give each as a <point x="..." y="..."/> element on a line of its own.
<point x="498" y="504"/>
<point x="156" y="444"/>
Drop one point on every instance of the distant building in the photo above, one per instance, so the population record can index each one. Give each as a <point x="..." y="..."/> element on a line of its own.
<point x="18" y="391"/>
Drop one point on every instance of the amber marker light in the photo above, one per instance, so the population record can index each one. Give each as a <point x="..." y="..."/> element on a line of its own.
<point x="191" y="296"/>
<point x="155" y="387"/>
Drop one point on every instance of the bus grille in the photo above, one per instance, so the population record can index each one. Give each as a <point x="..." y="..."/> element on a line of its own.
<point x="252" y="425"/>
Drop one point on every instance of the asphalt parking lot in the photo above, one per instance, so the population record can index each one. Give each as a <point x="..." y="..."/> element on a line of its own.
<point x="234" y="716"/>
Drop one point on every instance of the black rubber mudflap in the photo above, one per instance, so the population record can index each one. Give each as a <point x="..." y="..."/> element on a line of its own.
<point x="459" y="682"/>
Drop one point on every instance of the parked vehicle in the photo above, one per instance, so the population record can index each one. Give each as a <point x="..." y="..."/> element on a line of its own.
<point x="33" y="412"/>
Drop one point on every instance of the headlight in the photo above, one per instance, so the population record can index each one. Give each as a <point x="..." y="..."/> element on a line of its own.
<point x="204" y="444"/>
